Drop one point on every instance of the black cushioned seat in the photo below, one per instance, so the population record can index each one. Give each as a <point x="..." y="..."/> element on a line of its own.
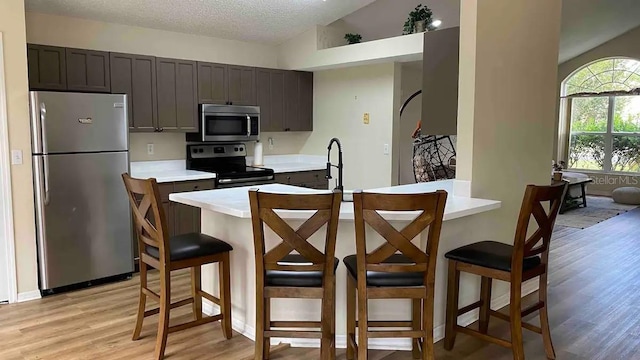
<point x="295" y="278"/>
<point x="490" y="254"/>
<point x="387" y="279"/>
<point x="193" y="245"/>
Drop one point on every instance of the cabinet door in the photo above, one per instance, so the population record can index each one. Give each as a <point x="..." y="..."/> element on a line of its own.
<point x="187" y="219"/>
<point x="135" y="76"/>
<point x="305" y="115"/>
<point x="166" y="70"/>
<point x="212" y="83"/>
<point x="242" y="85"/>
<point x="291" y="100"/>
<point x="270" y="99"/>
<point x="47" y="67"/>
<point x="186" y="95"/>
<point x="88" y="70"/>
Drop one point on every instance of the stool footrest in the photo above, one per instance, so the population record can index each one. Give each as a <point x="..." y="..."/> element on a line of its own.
<point x="209" y="297"/>
<point x="469" y="307"/>
<point x="172" y="306"/>
<point x="295" y="324"/>
<point x="485" y="337"/>
<point x="293" y="334"/>
<point x="194" y="323"/>
<point x="396" y="334"/>
<point x="507" y="318"/>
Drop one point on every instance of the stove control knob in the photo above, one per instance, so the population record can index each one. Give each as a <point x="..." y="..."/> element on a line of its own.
<point x="241" y="149"/>
<point x="201" y="151"/>
<point x="194" y="150"/>
<point x="235" y="149"/>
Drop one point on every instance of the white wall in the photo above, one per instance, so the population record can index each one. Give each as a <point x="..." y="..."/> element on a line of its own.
<point x="12" y="25"/>
<point x="88" y="34"/>
<point x="341" y="97"/>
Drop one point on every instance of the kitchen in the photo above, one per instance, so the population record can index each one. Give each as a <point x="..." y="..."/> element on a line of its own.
<point x="340" y="94"/>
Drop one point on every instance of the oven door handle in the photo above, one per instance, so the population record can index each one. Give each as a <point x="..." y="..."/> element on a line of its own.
<point x="244" y="180"/>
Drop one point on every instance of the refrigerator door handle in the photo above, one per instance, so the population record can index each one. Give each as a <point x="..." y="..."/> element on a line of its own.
<point x="39" y="191"/>
<point x="43" y="124"/>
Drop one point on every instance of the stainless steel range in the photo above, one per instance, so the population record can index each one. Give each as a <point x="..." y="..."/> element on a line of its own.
<point x="229" y="163"/>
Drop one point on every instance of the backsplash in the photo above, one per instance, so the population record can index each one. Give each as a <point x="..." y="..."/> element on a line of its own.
<point x="171" y="146"/>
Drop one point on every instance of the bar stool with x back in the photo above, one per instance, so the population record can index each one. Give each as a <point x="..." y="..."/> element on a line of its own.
<point x="166" y="254"/>
<point x="310" y="273"/>
<point x="384" y="273"/>
<point x="526" y="259"/>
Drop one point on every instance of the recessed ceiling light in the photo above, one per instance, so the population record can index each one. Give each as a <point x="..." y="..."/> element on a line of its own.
<point x="436" y="23"/>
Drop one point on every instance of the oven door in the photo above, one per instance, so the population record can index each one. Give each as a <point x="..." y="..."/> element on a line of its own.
<point x="230" y="123"/>
<point x="231" y="183"/>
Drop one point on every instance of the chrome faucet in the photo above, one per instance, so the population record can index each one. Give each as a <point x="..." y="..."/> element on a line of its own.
<point x="339" y="166"/>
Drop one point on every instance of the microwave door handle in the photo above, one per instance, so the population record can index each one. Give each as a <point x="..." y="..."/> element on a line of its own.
<point x="248" y="125"/>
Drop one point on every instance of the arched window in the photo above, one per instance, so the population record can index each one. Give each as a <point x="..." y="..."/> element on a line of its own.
<point x="604" y="116"/>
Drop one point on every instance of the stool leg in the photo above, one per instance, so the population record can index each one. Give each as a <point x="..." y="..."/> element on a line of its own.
<point x="485" y="297"/>
<point x="328" y="320"/>
<point x="267" y="326"/>
<point x="195" y="292"/>
<point x="363" y="321"/>
<point x="351" y="316"/>
<point x="416" y="321"/>
<point x="544" y="319"/>
<point x="453" y="289"/>
<point x="165" y="307"/>
<point x="225" y="295"/>
<point x="427" y="324"/>
<point x="142" y="302"/>
<point x="515" y="310"/>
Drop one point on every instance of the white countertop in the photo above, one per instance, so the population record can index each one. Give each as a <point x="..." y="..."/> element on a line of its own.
<point x="235" y="201"/>
<point x="292" y="163"/>
<point x="167" y="171"/>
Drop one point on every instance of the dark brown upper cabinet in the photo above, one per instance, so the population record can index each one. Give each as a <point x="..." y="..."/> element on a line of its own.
<point x="135" y="76"/>
<point x="226" y="84"/>
<point x="88" y="70"/>
<point x="298" y="101"/>
<point x="47" y="67"/>
<point x="213" y="83"/>
<point x="176" y="82"/>
<point x="242" y="85"/>
<point x="270" y="99"/>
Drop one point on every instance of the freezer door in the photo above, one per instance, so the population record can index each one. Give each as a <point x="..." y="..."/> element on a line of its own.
<point x="77" y="122"/>
<point x="83" y="217"/>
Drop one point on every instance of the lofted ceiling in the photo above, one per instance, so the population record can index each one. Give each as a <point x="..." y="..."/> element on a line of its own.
<point x="585" y="23"/>
<point x="267" y="21"/>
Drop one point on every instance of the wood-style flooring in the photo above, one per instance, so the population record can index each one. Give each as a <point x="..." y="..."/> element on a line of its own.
<point x="594" y="297"/>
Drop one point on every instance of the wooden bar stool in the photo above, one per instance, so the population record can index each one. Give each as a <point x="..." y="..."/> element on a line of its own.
<point x="277" y="279"/>
<point x="526" y="259"/>
<point x="386" y="274"/>
<point x="166" y="254"/>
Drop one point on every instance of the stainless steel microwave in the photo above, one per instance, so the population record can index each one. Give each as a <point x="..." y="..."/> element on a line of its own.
<point x="224" y="123"/>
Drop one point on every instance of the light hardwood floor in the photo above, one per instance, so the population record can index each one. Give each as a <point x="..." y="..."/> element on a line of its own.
<point x="594" y="313"/>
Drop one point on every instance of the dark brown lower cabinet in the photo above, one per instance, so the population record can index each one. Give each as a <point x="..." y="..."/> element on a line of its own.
<point x="314" y="179"/>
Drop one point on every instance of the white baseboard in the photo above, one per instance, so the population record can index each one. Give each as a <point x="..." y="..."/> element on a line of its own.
<point x="29" y="295"/>
<point x="374" y="344"/>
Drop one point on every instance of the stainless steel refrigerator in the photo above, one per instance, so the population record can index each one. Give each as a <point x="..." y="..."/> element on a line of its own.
<point x="80" y="146"/>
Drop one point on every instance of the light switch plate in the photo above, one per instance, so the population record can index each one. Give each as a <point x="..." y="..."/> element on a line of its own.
<point x="365" y="119"/>
<point x="150" y="149"/>
<point x="386" y="149"/>
<point x="16" y="157"/>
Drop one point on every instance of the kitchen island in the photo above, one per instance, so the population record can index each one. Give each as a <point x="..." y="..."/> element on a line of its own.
<point x="226" y="215"/>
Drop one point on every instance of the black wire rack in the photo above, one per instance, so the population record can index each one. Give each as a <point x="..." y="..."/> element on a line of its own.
<point x="433" y="155"/>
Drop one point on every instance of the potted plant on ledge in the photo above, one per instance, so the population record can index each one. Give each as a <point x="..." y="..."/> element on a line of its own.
<point x="353" y="38"/>
<point x="419" y="20"/>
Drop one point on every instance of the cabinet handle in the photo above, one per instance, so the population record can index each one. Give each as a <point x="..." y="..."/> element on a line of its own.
<point x="161" y="129"/>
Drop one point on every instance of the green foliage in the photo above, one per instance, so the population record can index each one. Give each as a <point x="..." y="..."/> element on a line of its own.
<point x="420" y="13"/>
<point x="605" y="75"/>
<point x="353" y="38"/>
<point x="589" y="115"/>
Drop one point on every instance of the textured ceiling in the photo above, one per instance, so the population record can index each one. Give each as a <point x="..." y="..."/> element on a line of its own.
<point x="269" y="21"/>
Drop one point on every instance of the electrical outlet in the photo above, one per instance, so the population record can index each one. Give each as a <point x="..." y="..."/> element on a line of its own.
<point x="386" y="149"/>
<point x="270" y="143"/>
<point x="149" y="149"/>
<point x="16" y="157"/>
<point x="365" y="119"/>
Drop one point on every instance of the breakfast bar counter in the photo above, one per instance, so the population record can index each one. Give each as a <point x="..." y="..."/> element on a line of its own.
<point x="226" y="215"/>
